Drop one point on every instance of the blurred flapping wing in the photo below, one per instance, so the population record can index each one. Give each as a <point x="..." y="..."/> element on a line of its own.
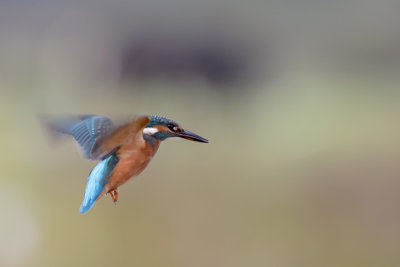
<point x="97" y="136"/>
<point x="87" y="130"/>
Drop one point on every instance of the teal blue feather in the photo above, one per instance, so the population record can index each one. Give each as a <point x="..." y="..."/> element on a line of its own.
<point x="159" y="120"/>
<point x="163" y="135"/>
<point x="97" y="180"/>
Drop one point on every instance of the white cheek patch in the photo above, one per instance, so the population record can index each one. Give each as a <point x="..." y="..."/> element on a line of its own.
<point x="150" y="130"/>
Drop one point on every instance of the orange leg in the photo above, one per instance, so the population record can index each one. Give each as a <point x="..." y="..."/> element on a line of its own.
<point x="114" y="195"/>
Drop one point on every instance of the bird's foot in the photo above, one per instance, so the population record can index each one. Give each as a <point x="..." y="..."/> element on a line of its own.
<point x="114" y="195"/>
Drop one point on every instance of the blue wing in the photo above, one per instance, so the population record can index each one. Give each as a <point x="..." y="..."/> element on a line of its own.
<point x="87" y="130"/>
<point x="97" y="180"/>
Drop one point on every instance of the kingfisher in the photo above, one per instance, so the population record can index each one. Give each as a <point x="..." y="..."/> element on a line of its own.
<point x="123" y="151"/>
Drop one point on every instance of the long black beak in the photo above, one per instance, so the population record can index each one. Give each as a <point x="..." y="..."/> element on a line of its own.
<point x="191" y="136"/>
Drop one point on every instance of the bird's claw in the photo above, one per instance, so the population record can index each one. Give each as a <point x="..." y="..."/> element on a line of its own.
<point x="114" y="195"/>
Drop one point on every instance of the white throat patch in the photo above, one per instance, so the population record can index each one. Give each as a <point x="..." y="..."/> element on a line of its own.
<point x="150" y="130"/>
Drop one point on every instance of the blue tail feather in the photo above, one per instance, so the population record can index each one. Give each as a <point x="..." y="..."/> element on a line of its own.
<point x="97" y="180"/>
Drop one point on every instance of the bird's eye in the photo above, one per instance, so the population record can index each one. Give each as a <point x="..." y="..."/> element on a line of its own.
<point x="174" y="128"/>
<point x="171" y="127"/>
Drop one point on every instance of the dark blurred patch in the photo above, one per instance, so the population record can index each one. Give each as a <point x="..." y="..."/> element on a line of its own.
<point x="217" y="60"/>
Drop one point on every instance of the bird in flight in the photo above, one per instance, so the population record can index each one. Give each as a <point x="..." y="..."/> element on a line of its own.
<point x="123" y="151"/>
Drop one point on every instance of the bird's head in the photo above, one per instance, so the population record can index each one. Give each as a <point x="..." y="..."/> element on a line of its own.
<point x="162" y="128"/>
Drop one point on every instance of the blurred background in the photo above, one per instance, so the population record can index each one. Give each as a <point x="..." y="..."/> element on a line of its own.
<point x="300" y="101"/>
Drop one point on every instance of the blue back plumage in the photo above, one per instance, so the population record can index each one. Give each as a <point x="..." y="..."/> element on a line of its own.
<point x="97" y="180"/>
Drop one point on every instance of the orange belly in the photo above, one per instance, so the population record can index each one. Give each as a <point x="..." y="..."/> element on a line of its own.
<point x="133" y="159"/>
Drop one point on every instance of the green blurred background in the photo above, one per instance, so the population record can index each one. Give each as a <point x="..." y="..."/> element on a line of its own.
<point x="300" y="102"/>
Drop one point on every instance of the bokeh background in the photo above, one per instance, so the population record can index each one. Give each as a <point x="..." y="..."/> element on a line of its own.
<point x="300" y="101"/>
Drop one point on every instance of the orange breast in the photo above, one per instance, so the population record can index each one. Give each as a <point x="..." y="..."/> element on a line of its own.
<point x="133" y="159"/>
